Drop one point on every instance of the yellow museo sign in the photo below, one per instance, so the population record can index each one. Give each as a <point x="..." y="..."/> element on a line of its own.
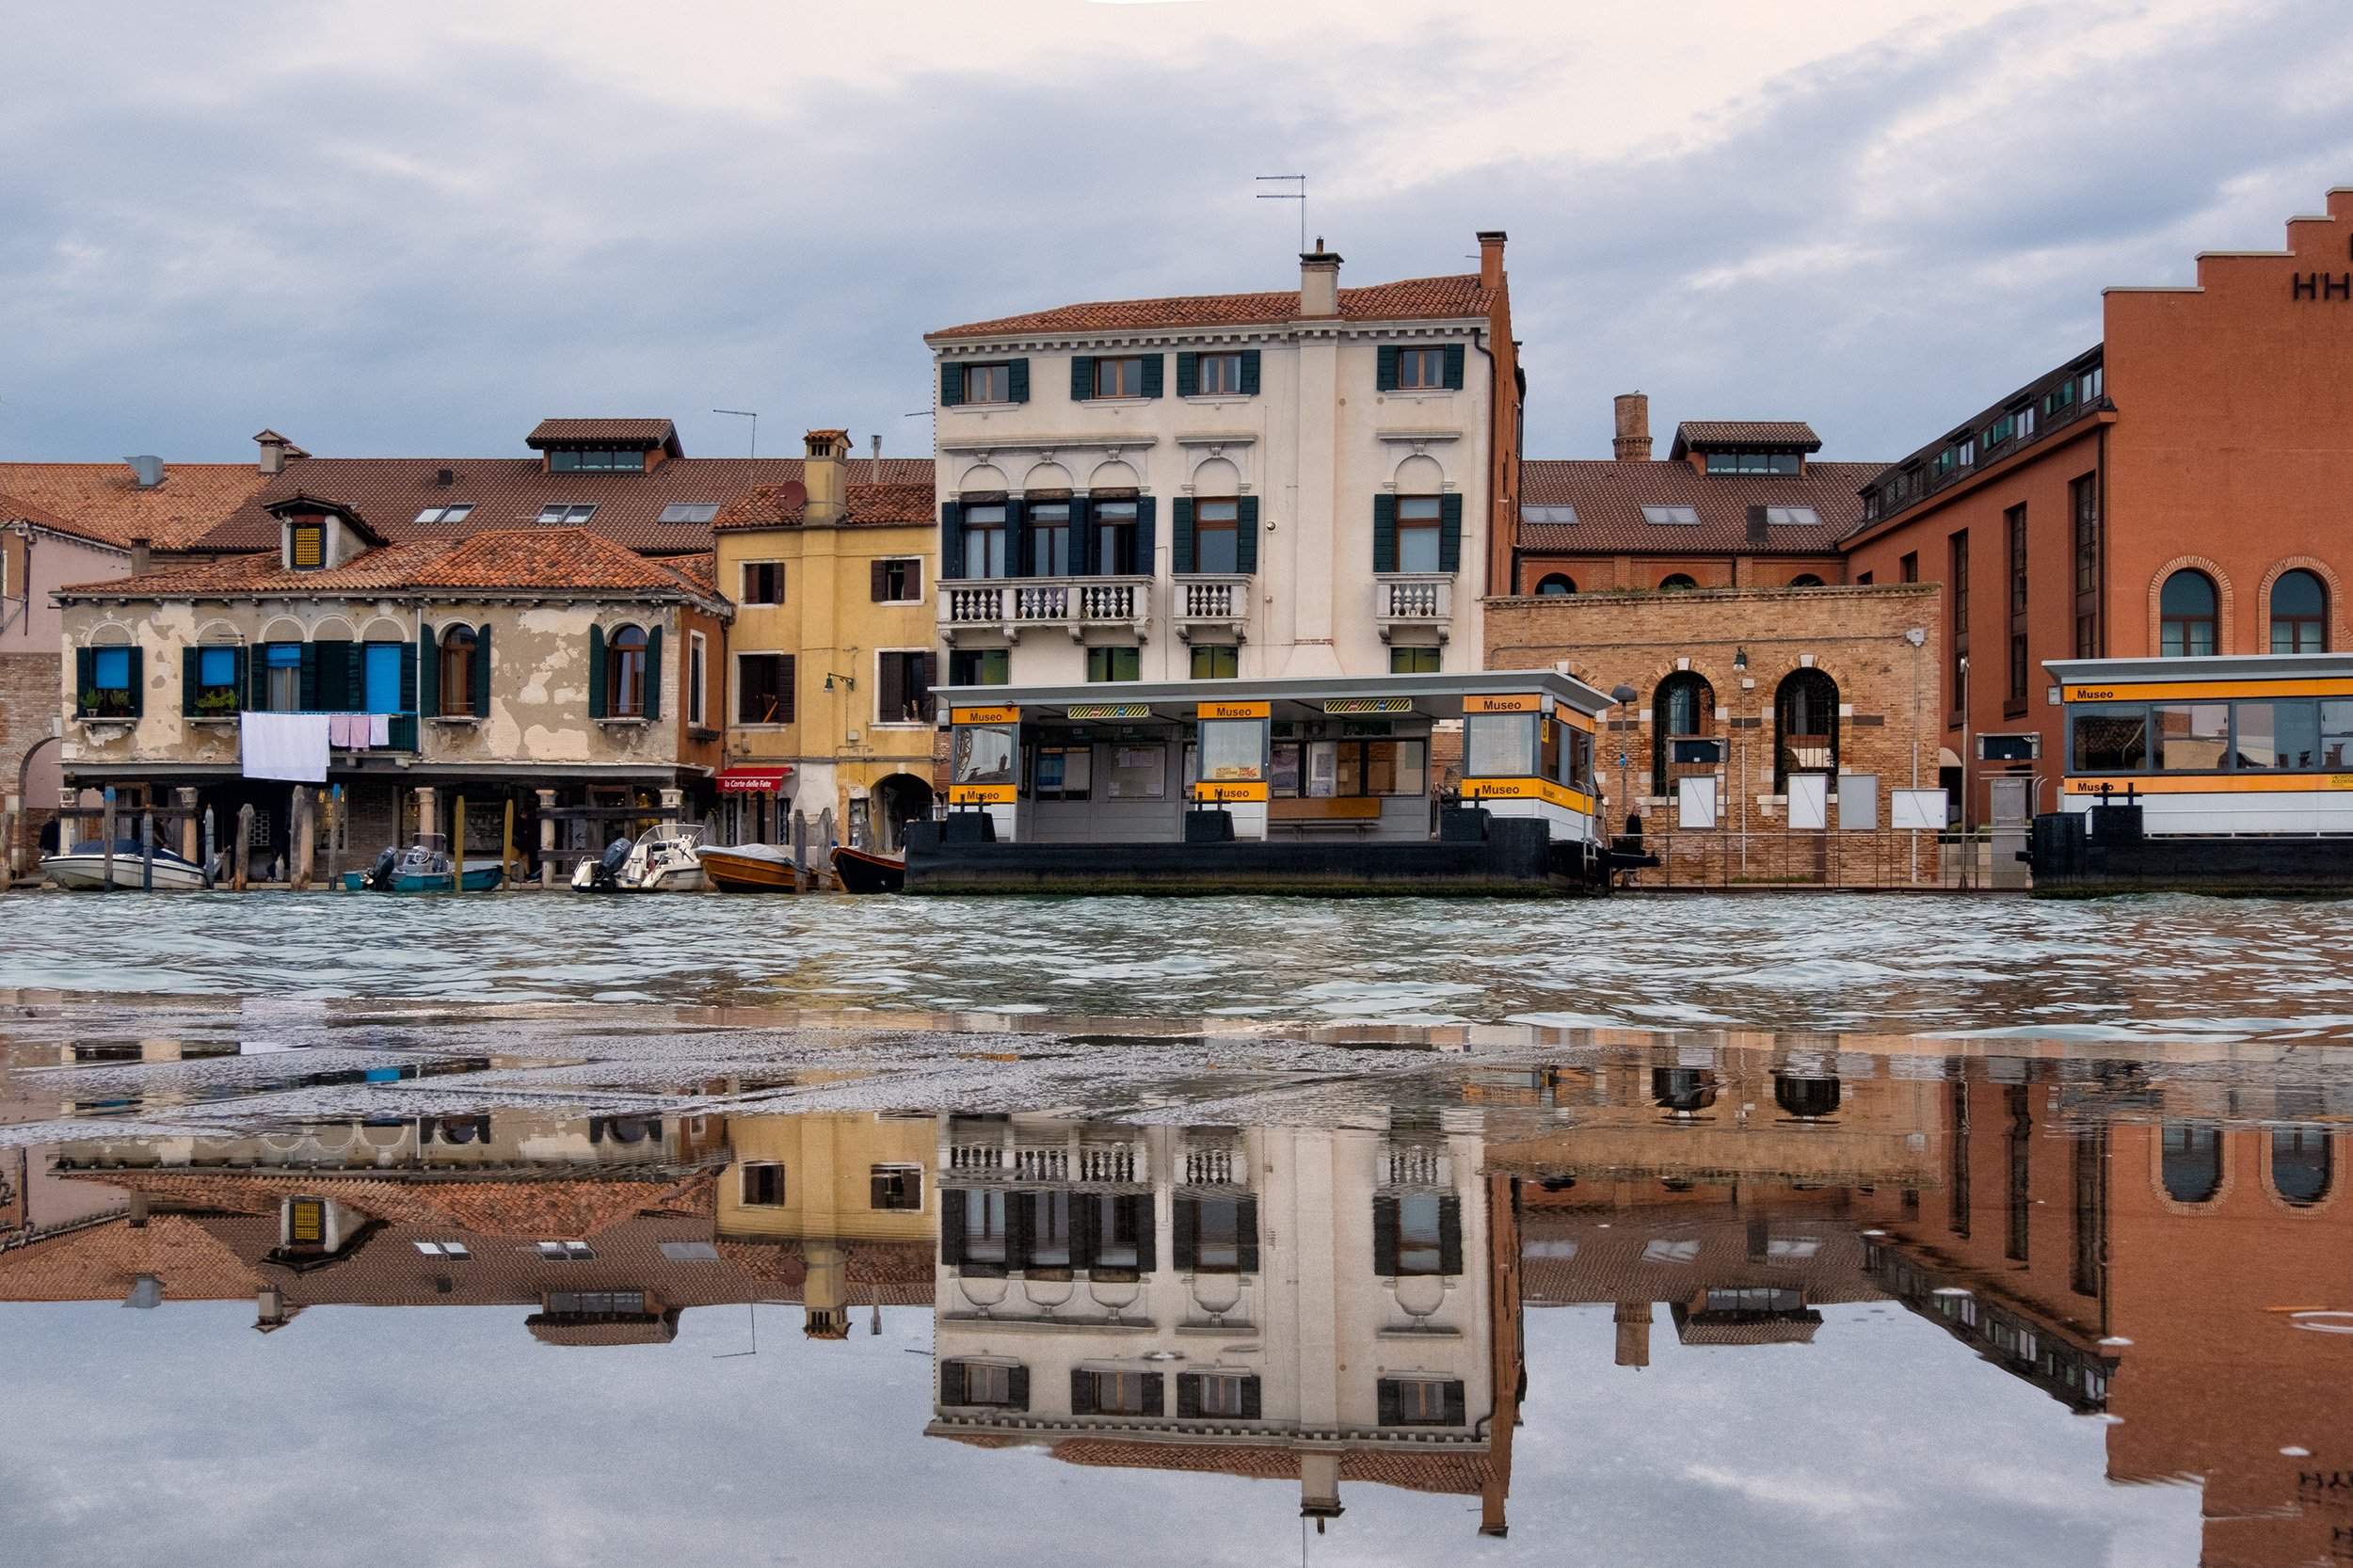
<point x="1233" y="709"/>
<point x="1528" y="789"/>
<point x="984" y="715"/>
<point x="980" y="794"/>
<point x="1230" y="792"/>
<point x="1519" y="702"/>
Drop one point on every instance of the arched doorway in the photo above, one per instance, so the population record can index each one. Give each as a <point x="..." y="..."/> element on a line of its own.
<point x="38" y="778"/>
<point x="1806" y="727"/>
<point x="899" y="799"/>
<point x="1682" y="710"/>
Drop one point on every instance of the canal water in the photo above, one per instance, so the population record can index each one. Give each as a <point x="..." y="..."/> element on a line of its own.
<point x="1788" y="1231"/>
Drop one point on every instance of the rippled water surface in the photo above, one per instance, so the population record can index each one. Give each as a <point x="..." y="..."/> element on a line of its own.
<point x="2109" y="968"/>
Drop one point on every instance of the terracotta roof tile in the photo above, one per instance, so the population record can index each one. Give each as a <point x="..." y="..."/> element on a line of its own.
<point x="1696" y="434"/>
<point x="1609" y="496"/>
<point x="1417" y="1470"/>
<point x="643" y="433"/>
<point x="103" y="1262"/>
<point x="507" y="560"/>
<point x="104" y="501"/>
<point x="1415" y="299"/>
<point x="891" y="504"/>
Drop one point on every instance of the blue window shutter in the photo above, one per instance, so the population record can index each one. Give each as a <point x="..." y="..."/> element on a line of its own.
<point x="481" y="693"/>
<point x="1188" y="375"/>
<point x="653" y="672"/>
<point x="429" y="673"/>
<point x="1384" y="532"/>
<point x="408" y="678"/>
<point x="1181" y="533"/>
<point x="1246" y="540"/>
<point x="1147" y="542"/>
<point x="1082" y="377"/>
<point x="1155" y="367"/>
<point x="950" y="383"/>
<point x="1018" y="382"/>
<point x="1385" y="368"/>
<point x="1250" y="372"/>
<point x="1455" y="366"/>
<point x="1450" y="532"/>
<point x="188" y="680"/>
<point x="596" y="672"/>
<point x="951" y="539"/>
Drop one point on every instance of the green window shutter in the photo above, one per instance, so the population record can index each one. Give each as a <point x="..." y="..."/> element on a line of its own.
<point x="1081" y="538"/>
<point x="1246" y="541"/>
<point x="787" y="688"/>
<point x="1385" y="368"/>
<point x="1187" y="1396"/>
<point x="1250" y="372"/>
<point x="1081" y="1393"/>
<point x="1017" y="1388"/>
<point x="1188" y="373"/>
<point x="952" y="1383"/>
<point x="1385" y="1236"/>
<point x="310" y="678"/>
<point x="188" y="676"/>
<point x="950" y="383"/>
<point x="1455" y="1407"/>
<point x="1251" y="1406"/>
<point x="1180" y="533"/>
<point x="257" y="681"/>
<point x="408" y="678"/>
<point x="1246" y="1231"/>
<point x="1018" y="382"/>
<point x="85" y="678"/>
<point x="1018" y="549"/>
<point x="877" y="590"/>
<point x="951" y="1228"/>
<point x="596" y="672"/>
<point x="1390" y="1405"/>
<point x="1455" y="366"/>
<point x="481" y="693"/>
<point x="951" y="539"/>
<point x="1082" y="377"/>
<point x="138" y="680"/>
<point x="240" y="669"/>
<point x="1140" y="1204"/>
<point x="1384" y="532"/>
<point x="1450" y="532"/>
<point x="1155" y="367"/>
<point x="1449" y="1236"/>
<point x="653" y="672"/>
<point x="1187" y="1214"/>
<point x="1147" y="540"/>
<point x="1154" y="1403"/>
<point x="429" y="674"/>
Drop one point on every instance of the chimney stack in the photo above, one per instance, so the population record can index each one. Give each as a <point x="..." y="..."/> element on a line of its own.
<point x="1632" y="444"/>
<point x="824" y="474"/>
<point x="1490" y="258"/>
<point x="1320" y="281"/>
<point x="873" y="475"/>
<point x="147" y="470"/>
<point x="277" y="452"/>
<point x="1633" y="1319"/>
<point x="138" y="555"/>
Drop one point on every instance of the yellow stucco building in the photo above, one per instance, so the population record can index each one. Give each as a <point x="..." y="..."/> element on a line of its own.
<point x="830" y="663"/>
<point x="850" y="1192"/>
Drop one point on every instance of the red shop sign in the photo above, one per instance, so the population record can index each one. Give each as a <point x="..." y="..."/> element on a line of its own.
<point x="753" y="780"/>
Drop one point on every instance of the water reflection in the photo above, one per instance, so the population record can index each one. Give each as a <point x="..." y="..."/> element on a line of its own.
<point x="1344" y="1306"/>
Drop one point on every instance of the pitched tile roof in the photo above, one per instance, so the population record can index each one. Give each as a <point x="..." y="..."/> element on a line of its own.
<point x="642" y="434"/>
<point x="1609" y="496"/>
<point x="14" y="510"/>
<point x="511" y="492"/>
<point x="520" y="560"/>
<point x="102" y="500"/>
<point x="1699" y="434"/>
<point x="870" y="505"/>
<point x="1415" y="299"/>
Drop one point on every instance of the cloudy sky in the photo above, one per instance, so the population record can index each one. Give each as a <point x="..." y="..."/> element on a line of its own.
<point x="418" y="229"/>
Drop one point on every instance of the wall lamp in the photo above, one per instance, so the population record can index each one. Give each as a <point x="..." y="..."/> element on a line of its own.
<point x="1739" y="657"/>
<point x="848" y="681"/>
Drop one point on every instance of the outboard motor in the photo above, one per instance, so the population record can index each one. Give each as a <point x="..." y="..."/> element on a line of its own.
<point x="380" y="877"/>
<point x="606" y="879"/>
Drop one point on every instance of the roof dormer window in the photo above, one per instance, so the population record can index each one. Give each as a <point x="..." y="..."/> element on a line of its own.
<point x="1754" y="462"/>
<point x="596" y="459"/>
<point x="306" y="544"/>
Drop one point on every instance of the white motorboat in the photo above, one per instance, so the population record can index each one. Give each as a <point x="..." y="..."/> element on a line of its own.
<point x="666" y="858"/>
<point x="83" y="867"/>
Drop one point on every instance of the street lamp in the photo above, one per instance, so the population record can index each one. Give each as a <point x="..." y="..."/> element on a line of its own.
<point x="1624" y="695"/>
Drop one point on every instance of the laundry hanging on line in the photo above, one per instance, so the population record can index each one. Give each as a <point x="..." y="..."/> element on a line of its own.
<point x="287" y="746"/>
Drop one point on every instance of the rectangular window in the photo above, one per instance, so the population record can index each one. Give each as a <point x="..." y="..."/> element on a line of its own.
<point x="1908" y="567"/>
<point x="2192" y="737"/>
<point x="571" y="514"/>
<point x="596" y="459"/>
<point x="2285" y="735"/>
<point x="1120" y="377"/>
<point x="2112" y="741"/>
<point x="1959" y="575"/>
<point x="984" y="1229"/>
<point x="1063" y="773"/>
<point x="1224" y="1394"/>
<point x="1420" y="368"/>
<point x="1219" y="375"/>
<point x="1217" y="535"/>
<point x="458" y="513"/>
<point x="1139" y="772"/>
<point x="1420" y="1402"/>
<point x="1413" y="661"/>
<point x="762" y="1184"/>
<point x="695" y="645"/>
<point x="983" y="1385"/>
<point x="2000" y="430"/>
<point x="980" y="666"/>
<point x="896" y="1189"/>
<point x="281" y="681"/>
<point x="1110" y="1393"/>
<point x="905" y="696"/>
<point x="1417" y="533"/>
<point x="380" y="676"/>
<point x="987" y="383"/>
<point x="216" y="680"/>
<point x="1114" y="664"/>
<point x="984" y="541"/>
<point x="1216" y="662"/>
<point x="1114" y="538"/>
<point x="689" y="511"/>
<point x="1050" y="539"/>
<point x="898" y="581"/>
<point x="764" y="582"/>
<point x="1754" y="462"/>
<point x="2084" y="507"/>
<point x="1499" y="746"/>
<point x="763" y="688"/>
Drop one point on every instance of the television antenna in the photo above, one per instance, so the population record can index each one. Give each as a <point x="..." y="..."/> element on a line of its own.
<point x="745" y="413"/>
<point x="1299" y="196"/>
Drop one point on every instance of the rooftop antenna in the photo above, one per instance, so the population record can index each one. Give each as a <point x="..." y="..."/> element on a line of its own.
<point x="1299" y="196"/>
<point x="745" y="413"/>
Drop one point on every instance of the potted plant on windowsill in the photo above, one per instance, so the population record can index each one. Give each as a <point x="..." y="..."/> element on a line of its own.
<point x="102" y="706"/>
<point x="217" y="705"/>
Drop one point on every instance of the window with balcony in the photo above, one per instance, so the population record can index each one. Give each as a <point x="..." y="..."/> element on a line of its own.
<point x="1115" y="529"/>
<point x="984" y="539"/>
<point x="1114" y="664"/>
<point x="1414" y="661"/>
<point x="1420" y="521"/>
<point x="1217" y="1236"/>
<point x="1416" y="1234"/>
<point x="980" y="666"/>
<point x="1217" y="535"/>
<point x="1050" y="539"/>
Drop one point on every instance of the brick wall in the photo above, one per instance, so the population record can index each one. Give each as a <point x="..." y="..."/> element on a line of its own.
<point x="29" y="697"/>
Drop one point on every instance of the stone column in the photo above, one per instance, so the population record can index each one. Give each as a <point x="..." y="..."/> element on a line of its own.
<point x="302" y="840"/>
<point x="673" y="800"/>
<point x="190" y="829"/>
<point x="547" y="837"/>
<point x="69" y="821"/>
<point x="11" y="818"/>
<point x="429" y="818"/>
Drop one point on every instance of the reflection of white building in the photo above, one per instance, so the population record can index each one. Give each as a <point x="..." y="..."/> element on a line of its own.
<point x="1279" y="1303"/>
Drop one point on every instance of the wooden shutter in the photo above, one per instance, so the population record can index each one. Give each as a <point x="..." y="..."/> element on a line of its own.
<point x="951" y="539"/>
<point x="481" y="693"/>
<point x="1246" y="537"/>
<point x="1187" y="1396"/>
<point x="950" y="383"/>
<point x="1249" y="1402"/>
<point x="1181" y="533"/>
<point x="1392" y="1412"/>
<point x="256" y="681"/>
<point x="1384" y="532"/>
<point x="1155" y="368"/>
<point x="1086" y="1228"/>
<point x="1456" y="1412"/>
<point x="1154" y="1402"/>
<point x="951" y="1227"/>
<point x="1450" y="532"/>
<point x="189" y="676"/>
<point x="1188" y="1217"/>
<point x="1385" y="1236"/>
<point x="429" y="674"/>
<point x="653" y="672"/>
<point x="1147" y="564"/>
<point x="1147" y="1258"/>
<point x="1250" y="372"/>
<point x="138" y="680"/>
<point x="407" y="676"/>
<point x="915" y="564"/>
<point x="85" y="682"/>
<point x="1187" y="385"/>
<point x="926" y="672"/>
<point x="1385" y="368"/>
<point x="1082" y="377"/>
<point x="952" y="1383"/>
<point x="890" y="702"/>
<point x="1016" y="1389"/>
<point x="310" y="678"/>
<point x="1083" y="562"/>
<point x="1018" y="1229"/>
<point x="1020" y="552"/>
<point x="595" y="673"/>
<point x="1081" y="1393"/>
<point x="788" y="687"/>
<point x="1018" y="382"/>
<point x="877" y="583"/>
<point x="1455" y="366"/>
<point x="1246" y="1228"/>
<point x="1449" y="1236"/>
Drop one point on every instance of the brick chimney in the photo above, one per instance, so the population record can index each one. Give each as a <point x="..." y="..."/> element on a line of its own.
<point x="1490" y="258"/>
<point x="825" y="474"/>
<point x="1632" y="444"/>
<point x="1320" y="281"/>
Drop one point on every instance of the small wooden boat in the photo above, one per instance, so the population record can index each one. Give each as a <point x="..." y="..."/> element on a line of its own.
<point x="83" y="867"/>
<point x="423" y="867"/>
<point x="862" y="871"/>
<point x="751" y="868"/>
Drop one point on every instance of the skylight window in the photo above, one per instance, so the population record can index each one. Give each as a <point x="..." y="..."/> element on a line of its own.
<point x="561" y="512"/>
<point x="446" y="514"/>
<point x="444" y="1249"/>
<point x="1547" y="514"/>
<point x="1793" y="517"/>
<point x="566" y="1252"/>
<point x="1670" y="514"/>
<point x="690" y="511"/>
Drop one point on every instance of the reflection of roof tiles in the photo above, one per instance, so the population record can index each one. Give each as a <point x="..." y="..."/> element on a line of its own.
<point x="1462" y="1474"/>
<point x="102" y="1262"/>
<point x="870" y="506"/>
<point x="1609" y="496"/>
<point x="104" y="501"/>
<point x="1610" y="1266"/>
<point x="1415" y="299"/>
<point x="560" y="560"/>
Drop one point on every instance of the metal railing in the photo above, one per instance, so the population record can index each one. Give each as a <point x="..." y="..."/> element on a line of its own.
<point x="1801" y="857"/>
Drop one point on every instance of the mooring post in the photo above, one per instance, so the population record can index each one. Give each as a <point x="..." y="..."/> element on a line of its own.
<point x="506" y="848"/>
<point x="108" y="884"/>
<point x="147" y="850"/>
<point x="458" y="846"/>
<point x="245" y="842"/>
<point x="334" y="835"/>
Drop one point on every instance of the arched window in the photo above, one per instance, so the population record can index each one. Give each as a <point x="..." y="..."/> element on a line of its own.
<point x="1680" y="580"/>
<point x="1805" y="580"/>
<point x="1806" y="1097"/>
<point x="1682" y="1088"/>
<point x="1682" y="709"/>
<point x="2191" y="1162"/>
<point x="2186" y="612"/>
<point x="625" y="673"/>
<point x="2299" y="614"/>
<point x="1556" y="583"/>
<point x="1805" y="725"/>
<point x="458" y="654"/>
<point x="2300" y="1165"/>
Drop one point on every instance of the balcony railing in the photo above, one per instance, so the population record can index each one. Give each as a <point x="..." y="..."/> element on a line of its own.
<point x="1221" y="603"/>
<point x="1399" y="600"/>
<point x="1010" y="605"/>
